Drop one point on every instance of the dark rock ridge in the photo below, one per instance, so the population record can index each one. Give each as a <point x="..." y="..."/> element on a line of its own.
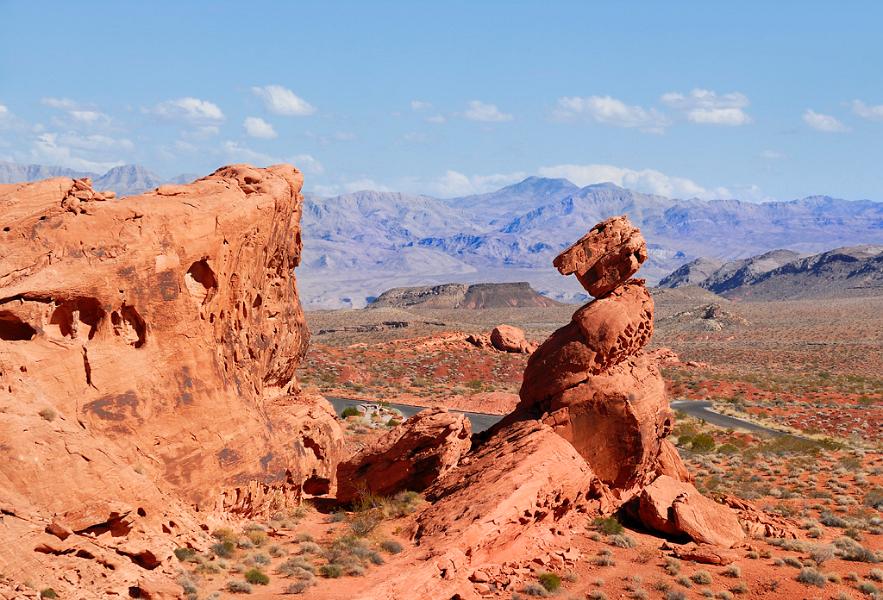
<point x="461" y="295"/>
<point x="782" y="275"/>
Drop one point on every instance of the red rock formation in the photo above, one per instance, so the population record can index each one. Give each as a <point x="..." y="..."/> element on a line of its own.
<point x="705" y="554"/>
<point x="511" y="339"/>
<point x="606" y="256"/>
<point x="147" y="356"/>
<point x="411" y="456"/>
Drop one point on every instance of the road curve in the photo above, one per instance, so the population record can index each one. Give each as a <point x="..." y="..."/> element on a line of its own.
<point x="480" y="421"/>
<point x="702" y="409"/>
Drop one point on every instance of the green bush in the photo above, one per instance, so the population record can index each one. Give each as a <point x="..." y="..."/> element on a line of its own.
<point x="702" y="442"/>
<point x="238" y="587"/>
<point x="48" y="593"/>
<point x="257" y="577"/>
<point x="350" y="411"/>
<point x="184" y="554"/>
<point x="550" y="581"/>
<point x="224" y="549"/>
<point x="608" y="525"/>
<point x="810" y="576"/>
<point x="391" y="546"/>
<point x="331" y="571"/>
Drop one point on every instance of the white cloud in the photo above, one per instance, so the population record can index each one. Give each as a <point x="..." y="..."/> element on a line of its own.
<point x="72" y="152"/>
<point x="420" y="105"/>
<point x="348" y="187"/>
<point x="81" y="115"/>
<point x="706" y="107"/>
<point x="874" y="113"/>
<point x="235" y="152"/>
<point x="821" y="122"/>
<point x="4" y="112"/>
<point x="454" y="183"/>
<point x="282" y="101"/>
<point x="258" y="128"/>
<point x="189" y="109"/>
<point x="437" y="119"/>
<point x="59" y="103"/>
<point x="488" y="113"/>
<point x="88" y="116"/>
<point x="306" y="163"/>
<point x="648" y="181"/>
<point x="611" y="111"/>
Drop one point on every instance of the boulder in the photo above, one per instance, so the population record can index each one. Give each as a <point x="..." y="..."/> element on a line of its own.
<point x="510" y="339"/>
<point x="411" y="456"/>
<point x="605" y="257"/>
<point x="705" y="554"/>
<point x="758" y="523"/>
<point x="669" y="462"/>
<point x="677" y="508"/>
<point x="148" y="349"/>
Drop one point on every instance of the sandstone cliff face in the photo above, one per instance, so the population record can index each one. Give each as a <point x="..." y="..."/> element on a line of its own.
<point x="147" y="356"/>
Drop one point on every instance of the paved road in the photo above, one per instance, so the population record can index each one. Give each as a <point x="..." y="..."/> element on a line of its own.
<point x="480" y="421"/>
<point x="701" y="409"/>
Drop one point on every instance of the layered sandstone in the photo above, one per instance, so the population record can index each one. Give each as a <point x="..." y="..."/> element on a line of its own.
<point x="147" y="356"/>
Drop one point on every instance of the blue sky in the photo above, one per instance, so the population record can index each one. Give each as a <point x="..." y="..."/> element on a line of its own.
<point x="751" y="99"/>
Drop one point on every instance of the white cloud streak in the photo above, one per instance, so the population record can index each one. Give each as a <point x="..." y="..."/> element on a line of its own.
<point x="822" y="122"/>
<point x="648" y="181"/>
<point x="706" y="107"/>
<point x="258" y="128"/>
<point x="480" y="111"/>
<point x="282" y="101"/>
<point x="610" y="111"/>
<point x="189" y="109"/>
<point x="873" y="113"/>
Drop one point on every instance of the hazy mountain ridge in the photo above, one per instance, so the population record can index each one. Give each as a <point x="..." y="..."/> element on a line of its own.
<point x="359" y="244"/>
<point x="783" y="274"/>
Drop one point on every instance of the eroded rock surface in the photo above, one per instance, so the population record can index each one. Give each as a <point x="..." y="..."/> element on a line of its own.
<point x="412" y="456"/>
<point x="511" y="339"/>
<point x="147" y="356"/>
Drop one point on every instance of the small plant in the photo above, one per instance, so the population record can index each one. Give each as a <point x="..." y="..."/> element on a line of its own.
<point x="733" y="571"/>
<point x="623" y="541"/>
<point x="608" y="525"/>
<point x="238" y="587"/>
<point x="48" y="592"/>
<point x="350" y="411"/>
<point x="331" y="571"/>
<point x="820" y="554"/>
<point x="684" y="581"/>
<point x="185" y="554"/>
<point x="701" y="577"/>
<point x="876" y="575"/>
<point x="702" y="442"/>
<point x="49" y="415"/>
<point x="298" y="587"/>
<point x="675" y="595"/>
<point x="224" y="549"/>
<point x="672" y="566"/>
<point x="391" y="546"/>
<point x="257" y="577"/>
<point x="810" y="576"/>
<point x="740" y="588"/>
<point x="550" y="581"/>
<point x="534" y="589"/>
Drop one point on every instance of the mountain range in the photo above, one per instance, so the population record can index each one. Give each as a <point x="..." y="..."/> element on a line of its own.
<point x="359" y="244"/>
<point x="786" y="275"/>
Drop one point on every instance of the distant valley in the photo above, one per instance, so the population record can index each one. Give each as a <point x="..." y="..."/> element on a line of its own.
<point x="358" y="245"/>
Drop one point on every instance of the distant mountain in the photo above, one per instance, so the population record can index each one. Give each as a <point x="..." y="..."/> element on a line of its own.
<point x="128" y="180"/>
<point x="358" y="245"/>
<point x="458" y="295"/>
<point x="125" y="180"/>
<point x="692" y="273"/>
<point x="784" y="275"/>
<point x="15" y="173"/>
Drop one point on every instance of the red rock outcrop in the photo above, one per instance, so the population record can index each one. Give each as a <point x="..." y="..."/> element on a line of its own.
<point x="147" y="356"/>
<point x="606" y="256"/>
<point x="511" y="339"/>
<point x="412" y="456"/>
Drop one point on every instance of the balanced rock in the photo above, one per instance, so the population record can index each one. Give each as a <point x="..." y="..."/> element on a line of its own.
<point x="411" y="456"/>
<point x="605" y="257"/>
<point x="510" y="339"/>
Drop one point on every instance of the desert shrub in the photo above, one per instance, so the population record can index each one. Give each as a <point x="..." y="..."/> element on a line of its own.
<point x="792" y="562"/>
<point x="820" y="554"/>
<point x="185" y="554"/>
<point x="393" y="422"/>
<point x="534" y="589"/>
<point x="224" y="549"/>
<point x="733" y="571"/>
<point x="298" y="567"/>
<point x="260" y="559"/>
<point x="675" y="595"/>
<point x="257" y="577"/>
<point x="48" y="593"/>
<point x="608" y="525"/>
<point x="724" y="595"/>
<point x="701" y="577"/>
<point x="596" y="595"/>
<point x="684" y="581"/>
<point x="364" y="523"/>
<point x="276" y="551"/>
<point x="810" y="576"/>
<point x="350" y="411"/>
<point x="298" y="587"/>
<point x="225" y="534"/>
<point x="874" y="498"/>
<point x="258" y="537"/>
<point x="849" y="549"/>
<point x="49" y="415"/>
<point x="622" y="541"/>
<point x="876" y="575"/>
<point x="331" y="571"/>
<point x="391" y="546"/>
<point x="702" y="442"/>
<point x="309" y="548"/>
<point x="238" y="587"/>
<point x="672" y="566"/>
<point x="739" y="588"/>
<point x="550" y="581"/>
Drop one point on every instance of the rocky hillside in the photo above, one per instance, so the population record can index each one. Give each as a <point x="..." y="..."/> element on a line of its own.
<point x="782" y="274"/>
<point x="460" y="295"/>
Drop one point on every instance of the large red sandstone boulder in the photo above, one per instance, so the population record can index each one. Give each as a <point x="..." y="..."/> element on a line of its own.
<point x="601" y="334"/>
<point x="510" y="339"/>
<point x="605" y="257"/>
<point x="669" y="462"/>
<point x="675" y="507"/>
<point x="409" y="457"/>
<point x="148" y="348"/>
<point x="508" y="502"/>
<point x="758" y="523"/>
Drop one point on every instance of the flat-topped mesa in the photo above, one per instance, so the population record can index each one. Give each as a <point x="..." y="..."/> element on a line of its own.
<point x="605" y="257"/>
